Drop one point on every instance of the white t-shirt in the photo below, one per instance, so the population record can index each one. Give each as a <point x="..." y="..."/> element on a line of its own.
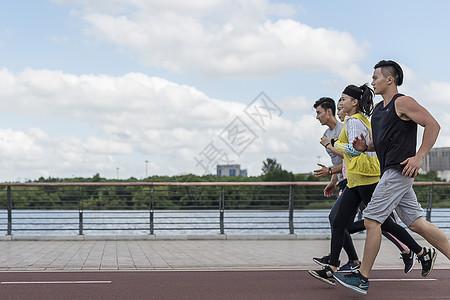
<point x="334" y="133"/>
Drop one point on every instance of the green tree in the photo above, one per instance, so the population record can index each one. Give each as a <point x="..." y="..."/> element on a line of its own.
<point x="430" y="176"/>
<point x="269" y="165"/>
<point x="278" y="175"/>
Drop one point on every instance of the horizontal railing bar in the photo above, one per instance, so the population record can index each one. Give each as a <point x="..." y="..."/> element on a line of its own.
<point x="265" y="183"/>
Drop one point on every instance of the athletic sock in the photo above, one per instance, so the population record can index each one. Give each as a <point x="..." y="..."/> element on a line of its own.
<point x="423" y="253"/>
<point x="363" y="279"/>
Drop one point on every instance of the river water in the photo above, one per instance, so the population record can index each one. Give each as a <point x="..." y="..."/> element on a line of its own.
<point x="67" y="222"/>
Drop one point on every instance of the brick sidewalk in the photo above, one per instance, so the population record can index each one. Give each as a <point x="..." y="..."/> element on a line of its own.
<point x="73" y="255"/>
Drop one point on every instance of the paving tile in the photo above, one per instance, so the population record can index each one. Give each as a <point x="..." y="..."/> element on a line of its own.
<point x="177" y="254"/>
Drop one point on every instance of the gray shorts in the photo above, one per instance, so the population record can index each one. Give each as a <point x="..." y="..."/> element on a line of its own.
<point x="394" y="191"/>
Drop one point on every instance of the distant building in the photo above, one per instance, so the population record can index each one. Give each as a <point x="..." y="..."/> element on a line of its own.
<point x="231" y="170"/>
<point x="438" y="159"/>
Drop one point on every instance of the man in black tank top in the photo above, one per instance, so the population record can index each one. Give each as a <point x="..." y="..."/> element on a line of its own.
<point x="395" y="139"/>
<point x="394" y="128"/>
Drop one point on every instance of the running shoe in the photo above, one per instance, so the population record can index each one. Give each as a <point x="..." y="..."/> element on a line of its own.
<point x="427" y="260"/>
<point x="323" y="261"/>
<point x="353" y="281"/>
<point x="410" y="260"/>
<point x="350" y="266"/>
<point x="326" y="275"/>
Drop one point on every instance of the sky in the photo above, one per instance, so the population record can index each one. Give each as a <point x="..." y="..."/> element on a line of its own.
<point x="136" y="88"/>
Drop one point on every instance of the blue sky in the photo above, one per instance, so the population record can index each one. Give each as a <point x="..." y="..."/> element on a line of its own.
<point x="102" y="87"/>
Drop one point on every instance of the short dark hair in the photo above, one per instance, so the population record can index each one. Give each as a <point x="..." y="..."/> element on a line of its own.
<point x="326" y="103"/>
<point x="390" y="67"/>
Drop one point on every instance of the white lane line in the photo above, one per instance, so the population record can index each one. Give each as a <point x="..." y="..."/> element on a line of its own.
<point x="59" y="282"/>
<point x="403" y="279"/>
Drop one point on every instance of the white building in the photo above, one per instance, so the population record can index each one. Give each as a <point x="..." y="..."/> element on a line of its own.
<point x="438" y="159"/>
<point x="231" y="170"/>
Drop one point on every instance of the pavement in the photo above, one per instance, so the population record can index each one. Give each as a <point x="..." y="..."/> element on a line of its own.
<point x="181" y="253"/>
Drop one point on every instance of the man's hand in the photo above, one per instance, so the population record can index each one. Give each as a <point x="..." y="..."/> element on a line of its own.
<point x="322" y="172"/>
<point x="329" y="189"/>
<point x="360" y="143"/>
<point x="412" y="166"/>
<point x="324" y="141"/>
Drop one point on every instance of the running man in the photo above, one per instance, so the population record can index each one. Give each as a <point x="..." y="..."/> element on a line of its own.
<point x="394" y="125"/>
<point x="325" y="113"/>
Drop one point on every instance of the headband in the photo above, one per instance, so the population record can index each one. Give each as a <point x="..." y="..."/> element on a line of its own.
<point x="352" y="92"/>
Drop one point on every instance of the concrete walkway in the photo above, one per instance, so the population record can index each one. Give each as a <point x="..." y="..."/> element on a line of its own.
<point x="253" y="252"/>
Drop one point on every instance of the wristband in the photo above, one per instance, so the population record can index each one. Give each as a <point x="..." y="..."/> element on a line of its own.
<point x="327" y="144"/>
<point x="332" y="142"/>
<point x="330" y="171"/>
<point x="367" y="147"/>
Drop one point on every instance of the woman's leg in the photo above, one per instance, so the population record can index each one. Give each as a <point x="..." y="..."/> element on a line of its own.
<point x="402" y="247"/>
<point x="400" y="233"/>
<point x="348" y="245"/>
<point x="347" y="207"/>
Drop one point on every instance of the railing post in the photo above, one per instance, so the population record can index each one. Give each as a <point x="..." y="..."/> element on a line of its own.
<point x="9" y="208"/>
<point x="429" y="203"/>
<point x="222" y="210"/>
<point x="291" y="209"/>
<point x="80" y="211"/>
<point x="152" y="209"/>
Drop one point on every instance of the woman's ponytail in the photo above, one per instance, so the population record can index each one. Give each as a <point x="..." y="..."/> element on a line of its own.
<point x="366" y="100"/>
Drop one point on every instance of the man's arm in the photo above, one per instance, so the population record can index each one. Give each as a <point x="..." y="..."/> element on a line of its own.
<point x="324" y="171"/>
<point x="331" y="186"/>
<point x="328" y="145"/>
<point x="409" y="109"/>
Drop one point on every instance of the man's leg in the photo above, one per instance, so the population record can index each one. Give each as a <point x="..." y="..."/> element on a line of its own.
<point x="432" y="234"/>
<point x="410" y="212"/>
<point x="371" y="246"/>
<point x="358" y="281"/>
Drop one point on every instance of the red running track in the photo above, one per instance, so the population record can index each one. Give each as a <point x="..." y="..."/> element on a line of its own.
<point x="264" y="284"/>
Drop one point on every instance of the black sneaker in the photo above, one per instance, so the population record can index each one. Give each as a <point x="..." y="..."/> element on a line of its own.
<point x="409" y="260"/>
<point x="349" y="267"/>
<point x="427" y="260"/>
<point x="323" y="261"/>
<point x="326" y="275"/>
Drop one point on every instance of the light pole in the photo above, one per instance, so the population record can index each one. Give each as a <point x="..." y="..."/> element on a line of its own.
<point x="117" y="173"/>
<point x="146" y="168"/>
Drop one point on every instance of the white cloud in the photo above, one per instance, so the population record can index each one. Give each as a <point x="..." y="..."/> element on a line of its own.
<point x="229" y="37"/>
<point x="435" y="97"/>
<point x="125" y="120"/>
<point x="133" y="99"/>
<point x="352" y="74"/>
<point x="438" y="93"/>
<point x="16" y="144"/>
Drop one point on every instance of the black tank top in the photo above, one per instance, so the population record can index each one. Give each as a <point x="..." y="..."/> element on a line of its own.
<point x="394" y="139"/>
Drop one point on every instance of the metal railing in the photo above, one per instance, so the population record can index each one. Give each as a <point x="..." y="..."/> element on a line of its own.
<point x="181" y="208"/>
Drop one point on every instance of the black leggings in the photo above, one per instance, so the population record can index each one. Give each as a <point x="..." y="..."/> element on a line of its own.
<point x="347" y="244"/>
<point x="357" y="226"/>
<point x="346" y="211"/>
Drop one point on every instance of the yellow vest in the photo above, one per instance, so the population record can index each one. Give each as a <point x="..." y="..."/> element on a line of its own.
<point x="363" y="169"/>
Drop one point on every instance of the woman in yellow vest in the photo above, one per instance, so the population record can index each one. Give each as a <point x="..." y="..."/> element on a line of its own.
<point x="363" y="174"/>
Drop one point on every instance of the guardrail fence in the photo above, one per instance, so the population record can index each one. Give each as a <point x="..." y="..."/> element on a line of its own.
<point x="183" y="208"/>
